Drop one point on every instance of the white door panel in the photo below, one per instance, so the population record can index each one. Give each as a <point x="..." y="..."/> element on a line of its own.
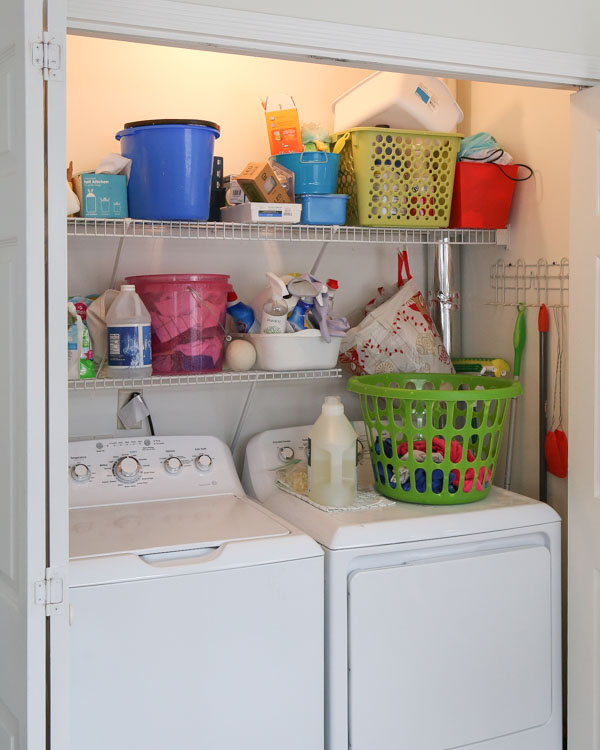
<point x="473" y="632"/>
<point x="584" y="423"/>
<point x="22" y="380"/>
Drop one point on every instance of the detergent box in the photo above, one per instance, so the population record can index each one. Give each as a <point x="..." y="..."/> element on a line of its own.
<point x="283" y="125"/>
<point x="261" y="185"/>
<point x="102" y="196"/>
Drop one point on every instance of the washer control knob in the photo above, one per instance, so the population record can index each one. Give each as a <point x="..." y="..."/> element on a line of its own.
<point x="204" y="462"/>
<point x="173" y="465"/>
<point x="286" y="453"/>
<point x="127" y="469"/>
<point x="80" y="472"/>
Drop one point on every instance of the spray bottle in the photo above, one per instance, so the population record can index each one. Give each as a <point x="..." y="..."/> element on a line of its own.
<point x="298" y="319"/>
<point x="274" y="315"/>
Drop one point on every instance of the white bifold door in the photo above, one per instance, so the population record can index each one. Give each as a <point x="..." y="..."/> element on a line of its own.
<point x="584" y="425"/>
<point x="24" y="244"/>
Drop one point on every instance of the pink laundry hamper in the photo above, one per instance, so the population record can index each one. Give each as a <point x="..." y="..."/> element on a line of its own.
<point x="187" y="329"/>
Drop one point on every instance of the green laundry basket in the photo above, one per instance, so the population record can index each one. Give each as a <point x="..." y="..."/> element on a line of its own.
<point x="412" y="418"/>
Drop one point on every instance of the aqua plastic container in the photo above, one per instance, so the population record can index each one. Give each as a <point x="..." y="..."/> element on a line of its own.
<point x="315" y="172"/>
<point x="171" y="168"/>
<point x="323" y="209"/>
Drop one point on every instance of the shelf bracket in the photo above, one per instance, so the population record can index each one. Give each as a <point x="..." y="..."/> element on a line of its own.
<point x="243" y="416"/>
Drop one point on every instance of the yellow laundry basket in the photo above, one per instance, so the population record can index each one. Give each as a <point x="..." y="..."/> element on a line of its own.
<point x="397" y="178"/>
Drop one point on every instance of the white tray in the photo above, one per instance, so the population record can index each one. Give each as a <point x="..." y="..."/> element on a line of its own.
<point x="303" y="350"/>
<point x="264" y="213"/>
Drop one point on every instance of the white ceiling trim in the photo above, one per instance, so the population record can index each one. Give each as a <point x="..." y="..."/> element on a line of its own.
<point x="246" y="32"/>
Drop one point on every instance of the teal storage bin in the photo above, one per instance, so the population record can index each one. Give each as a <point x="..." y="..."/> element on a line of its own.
<point x="315" y="172"/>
<point x="323" y="209"/>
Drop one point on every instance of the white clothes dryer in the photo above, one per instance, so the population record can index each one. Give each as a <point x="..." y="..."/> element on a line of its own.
<point x="197" y="614"/>
<point x="442" y="623"/>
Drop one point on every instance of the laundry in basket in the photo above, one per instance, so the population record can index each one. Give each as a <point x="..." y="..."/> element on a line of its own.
<point x="397" y="336"/>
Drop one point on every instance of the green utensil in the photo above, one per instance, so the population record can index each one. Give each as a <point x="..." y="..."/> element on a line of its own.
<point x="519" y="337"/>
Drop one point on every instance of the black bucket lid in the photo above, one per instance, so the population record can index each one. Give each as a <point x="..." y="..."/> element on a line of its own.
<point x="143" y="123"/>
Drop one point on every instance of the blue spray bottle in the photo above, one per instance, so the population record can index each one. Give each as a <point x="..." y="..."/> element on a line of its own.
<point x="242" y="314"/>
<point x="298" y="318"/>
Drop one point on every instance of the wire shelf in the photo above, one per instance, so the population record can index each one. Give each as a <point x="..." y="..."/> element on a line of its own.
<point x="185" y="230"/>
<point x="218" y="378"/>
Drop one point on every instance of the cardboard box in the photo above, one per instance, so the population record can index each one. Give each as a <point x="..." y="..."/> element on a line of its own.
<point x="102" y="196"/>
<point x="283" y="125"/>
<point x="261" y="185"/>
<point x="268" y="213"/>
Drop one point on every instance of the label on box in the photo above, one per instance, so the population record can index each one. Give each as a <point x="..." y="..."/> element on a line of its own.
<point x="129" y="346"/>
<point x="102" y="196"/>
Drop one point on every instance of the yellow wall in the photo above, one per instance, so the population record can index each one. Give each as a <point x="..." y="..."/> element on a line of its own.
<point x="110" y="83"/>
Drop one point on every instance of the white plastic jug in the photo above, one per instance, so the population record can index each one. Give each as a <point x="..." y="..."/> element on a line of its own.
<point x="128" y="331"/>
<point x="332" y="457"/>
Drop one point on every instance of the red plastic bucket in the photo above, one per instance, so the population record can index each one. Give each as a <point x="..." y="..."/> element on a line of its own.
<point x="482" y="195"/>
<point x="187" y="334"/>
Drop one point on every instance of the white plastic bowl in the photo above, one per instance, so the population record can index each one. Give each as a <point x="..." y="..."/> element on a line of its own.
<point x="303" y="350"/>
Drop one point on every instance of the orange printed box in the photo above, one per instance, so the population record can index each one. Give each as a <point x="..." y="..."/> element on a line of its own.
<point x="283" y="125"/>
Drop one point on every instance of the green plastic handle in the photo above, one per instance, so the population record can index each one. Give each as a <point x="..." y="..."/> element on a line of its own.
<point x="519" y="340"/>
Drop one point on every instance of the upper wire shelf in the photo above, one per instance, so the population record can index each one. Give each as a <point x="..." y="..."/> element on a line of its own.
<point x="250" y="376"/>
<point x="186" y="230"/>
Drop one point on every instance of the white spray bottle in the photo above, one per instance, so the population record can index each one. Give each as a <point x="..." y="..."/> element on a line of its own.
<point x="274" y="313"/>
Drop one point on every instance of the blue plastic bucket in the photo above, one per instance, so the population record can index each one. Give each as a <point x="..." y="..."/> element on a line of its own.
<point x="171" y="168"/>
<point x="323" y="209"/>
<point x="315" y="172"/>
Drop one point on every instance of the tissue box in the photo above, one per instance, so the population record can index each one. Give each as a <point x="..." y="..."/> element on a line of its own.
<point x="102" y="196"/>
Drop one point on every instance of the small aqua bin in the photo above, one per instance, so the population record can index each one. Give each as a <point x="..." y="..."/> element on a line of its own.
<point x="171" y="168"/>
<point x="315" y="172"/>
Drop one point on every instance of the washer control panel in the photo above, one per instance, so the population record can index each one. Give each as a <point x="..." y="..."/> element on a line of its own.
<point x="112" y="470"/>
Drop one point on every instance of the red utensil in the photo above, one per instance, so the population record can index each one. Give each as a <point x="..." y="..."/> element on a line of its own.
<point x="556" y="447"/>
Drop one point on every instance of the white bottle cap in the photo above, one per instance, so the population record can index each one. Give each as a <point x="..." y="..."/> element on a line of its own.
<point x="333" y="406"/>
<point x="128" y="287"/>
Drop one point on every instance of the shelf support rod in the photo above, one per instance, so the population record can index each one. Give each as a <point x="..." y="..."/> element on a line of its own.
<point x="318" y="259"/>
<point x="113" y="277"/>
<point x="243" y="415"/>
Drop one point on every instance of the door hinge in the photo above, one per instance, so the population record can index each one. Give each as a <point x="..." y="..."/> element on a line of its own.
<point x="50" y="592"/>
<point x="48" y="56"/>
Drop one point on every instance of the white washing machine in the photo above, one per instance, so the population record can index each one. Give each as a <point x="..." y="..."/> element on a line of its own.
<point x="442" y="624"/>
<point x="197" y="614"/>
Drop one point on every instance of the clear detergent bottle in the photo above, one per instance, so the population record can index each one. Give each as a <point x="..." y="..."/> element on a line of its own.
<point x="128" y="324"/>
<point x="332" y="455"/>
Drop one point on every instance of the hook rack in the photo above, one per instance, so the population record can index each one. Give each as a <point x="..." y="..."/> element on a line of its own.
<point x="530" y="284"/>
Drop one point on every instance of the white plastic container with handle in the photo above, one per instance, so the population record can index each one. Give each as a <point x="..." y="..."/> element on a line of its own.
<point x="128" y="332"/>
<point x="398" y="100"/>
<point x="332" y="479"/>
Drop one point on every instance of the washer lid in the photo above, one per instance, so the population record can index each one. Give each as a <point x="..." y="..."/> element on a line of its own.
<point x="143" y="123"/>
<point x="168" y="525"/>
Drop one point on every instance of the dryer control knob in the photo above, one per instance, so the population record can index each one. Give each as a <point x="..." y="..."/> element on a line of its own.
<point x="80" y="472"/>
<point x="286" y="453"/>
<point x="127" y="469"/>
<point x="203" y="462"/>
<point x="173" y="465"/>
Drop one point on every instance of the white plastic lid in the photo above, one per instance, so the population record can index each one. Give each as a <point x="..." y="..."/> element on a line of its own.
<point x="332" y="406"/>
<point x="128" y="287"/>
